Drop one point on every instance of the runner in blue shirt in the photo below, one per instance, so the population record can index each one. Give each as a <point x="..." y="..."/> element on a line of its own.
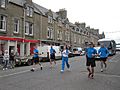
<point x="90" y="61"/>
<point x="103" y="53"/>
<point x="35" y="58"/>
<point x="52" y="55"/>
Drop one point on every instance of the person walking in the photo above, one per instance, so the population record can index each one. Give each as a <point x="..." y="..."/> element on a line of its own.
<point x="6" y="60"/>
<point x="36" y="59"/>
<point x="103" y="53"/>
<point x="52" y="56"/>
<point x="12" y="59"/>
<point x="90" y="61"/>
<point x="65" y="54"/>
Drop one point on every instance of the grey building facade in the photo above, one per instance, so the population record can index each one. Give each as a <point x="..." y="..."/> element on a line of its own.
<point x="23" y="24"/>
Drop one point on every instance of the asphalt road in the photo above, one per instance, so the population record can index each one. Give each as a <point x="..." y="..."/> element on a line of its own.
<point x="21" y="78"/>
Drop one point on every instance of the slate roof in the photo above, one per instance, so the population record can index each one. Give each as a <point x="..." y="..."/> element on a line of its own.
<point x="37" y="8"/>
<point x="18" y="2"/>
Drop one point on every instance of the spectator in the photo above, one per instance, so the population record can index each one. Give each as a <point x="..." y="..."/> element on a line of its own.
<point x="6" y="60"/>
<point x="12" y="59"/>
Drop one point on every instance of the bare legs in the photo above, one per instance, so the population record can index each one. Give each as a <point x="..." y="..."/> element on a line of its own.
<point x="91" y="72"/>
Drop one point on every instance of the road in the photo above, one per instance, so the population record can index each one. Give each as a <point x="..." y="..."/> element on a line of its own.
<point x="21" y="78"/>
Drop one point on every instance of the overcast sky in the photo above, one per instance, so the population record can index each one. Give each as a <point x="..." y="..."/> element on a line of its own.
<point x="99" y="14"/>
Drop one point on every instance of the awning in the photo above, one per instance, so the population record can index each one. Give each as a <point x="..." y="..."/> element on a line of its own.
<point x="18" y="39"/>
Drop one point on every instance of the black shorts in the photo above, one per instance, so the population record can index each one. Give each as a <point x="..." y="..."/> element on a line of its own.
<point x="103" y="59"/>
<point x="36" y="60"/>
<point x="52" y="56"/>
<point x="90" y="62"/>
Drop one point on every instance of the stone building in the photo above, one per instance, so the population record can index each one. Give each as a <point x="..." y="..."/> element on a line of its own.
<point x="23" y="24"/>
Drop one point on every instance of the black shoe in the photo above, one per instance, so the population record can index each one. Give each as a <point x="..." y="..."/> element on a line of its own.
<point x="92" y="76"/>
<point x="89" y="75"/>
<point x="41" y="68"/>
<point x="32" y="70"/>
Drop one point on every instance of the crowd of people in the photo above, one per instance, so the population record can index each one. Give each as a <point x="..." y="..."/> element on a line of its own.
<point x="8" y="59"/>
<point x="91" y="53"/>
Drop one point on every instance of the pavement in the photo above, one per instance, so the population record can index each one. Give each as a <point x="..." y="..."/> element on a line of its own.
<point x="21" y="78"/>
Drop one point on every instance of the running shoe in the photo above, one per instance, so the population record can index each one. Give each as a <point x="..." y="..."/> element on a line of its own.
<point x="32" y="70"/>
<point x="62" y="71"/>
<point x="101" y="70"/>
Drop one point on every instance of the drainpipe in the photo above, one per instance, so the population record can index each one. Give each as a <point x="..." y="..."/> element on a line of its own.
<point x="41" y="28"/>
<point x="23" y="43"/>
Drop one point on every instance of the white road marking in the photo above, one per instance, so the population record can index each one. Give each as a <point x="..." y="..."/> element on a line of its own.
<point x="108" y="75"/>
<point x="14" y="73"/>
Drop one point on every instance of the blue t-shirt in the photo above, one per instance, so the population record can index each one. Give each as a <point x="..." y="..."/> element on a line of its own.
<point x="103" y="52"/>
<point x="52" y="51"/>
<point x="90" y="51"/>
<point x="35" y="53"/>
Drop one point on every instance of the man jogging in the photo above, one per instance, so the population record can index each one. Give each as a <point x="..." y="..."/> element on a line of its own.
<point x="35" y="58"/>
<point x="90" y="61"/>
<point x="103" y="53"/>
<point x="52" y="55"/>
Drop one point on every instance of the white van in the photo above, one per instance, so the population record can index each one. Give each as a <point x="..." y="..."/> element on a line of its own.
<point x="44" y="52"/>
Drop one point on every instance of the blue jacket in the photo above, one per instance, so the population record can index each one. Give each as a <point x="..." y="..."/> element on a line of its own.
<point x="90" y="51"/>
<point x="103" y="52"/>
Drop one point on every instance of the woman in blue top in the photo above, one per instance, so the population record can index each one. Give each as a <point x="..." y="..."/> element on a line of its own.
<point x="90" y="61"/>
<point x="103" y="53"/>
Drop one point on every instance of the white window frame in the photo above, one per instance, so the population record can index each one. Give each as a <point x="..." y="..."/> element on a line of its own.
<point x="50" y="33"/>
<point x="28" y="27"/>
<point x="75" y="38"/>
<point x="68" y="36"/>
<point x="50" y="19"/>
<point x="3" y="22"/>
<point x="29" y="11"/>
<point x="67" y="26"/>
<point x="3" y="3"/>
<point x="31" y="28"/>
<point x="16" y="25"/>
<point x="79" y="40"/>
<point x="58" y="34"/>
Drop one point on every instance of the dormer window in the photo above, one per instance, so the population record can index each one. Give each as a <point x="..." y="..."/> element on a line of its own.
<point x="67" y="26"/>
<point x="50" y="19"/>
<point x="77" y="29"/>
<point x="3" y="3"/>
<point x="29" y="11"/>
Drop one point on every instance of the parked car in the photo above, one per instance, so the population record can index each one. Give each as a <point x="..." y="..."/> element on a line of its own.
<point x="78" y="51"/>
